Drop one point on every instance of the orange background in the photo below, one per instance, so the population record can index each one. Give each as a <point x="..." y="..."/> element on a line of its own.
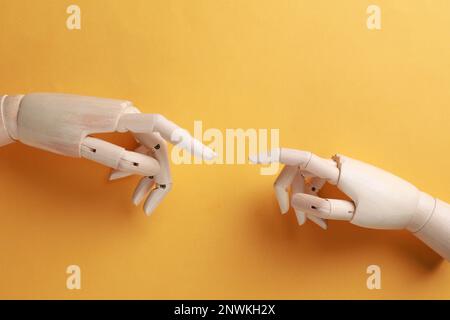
<point x="310" y="68"/>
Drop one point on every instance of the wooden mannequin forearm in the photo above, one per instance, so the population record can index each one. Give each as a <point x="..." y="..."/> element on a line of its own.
<point x="9" y="108"/>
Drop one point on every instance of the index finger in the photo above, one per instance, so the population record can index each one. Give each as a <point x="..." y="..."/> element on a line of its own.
<point x="305" y="160"/>
<point x="171" y="132"/>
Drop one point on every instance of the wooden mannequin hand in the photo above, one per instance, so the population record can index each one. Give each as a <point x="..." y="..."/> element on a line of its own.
<point x="380" y="200"/>
<point x="62" y="124"/>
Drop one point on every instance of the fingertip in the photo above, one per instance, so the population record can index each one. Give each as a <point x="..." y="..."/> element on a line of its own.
<point x="319" y="221"/>
<point x="149" y="208"/>
<point x="148" y="211"/>
<point x="283" y="199"/>
<point x="112" y="176"/>
<point x="118" y="174"/>
<point x="155" y="198"/>
<point x="301" y="217"/>
<point x="209" y="154"/>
